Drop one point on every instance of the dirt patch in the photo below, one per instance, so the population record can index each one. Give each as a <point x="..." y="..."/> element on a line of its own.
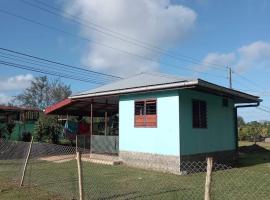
<point x="59" y="159"/>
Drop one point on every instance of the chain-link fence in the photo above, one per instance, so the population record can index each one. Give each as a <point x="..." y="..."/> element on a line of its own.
<point x="52" y="173"/>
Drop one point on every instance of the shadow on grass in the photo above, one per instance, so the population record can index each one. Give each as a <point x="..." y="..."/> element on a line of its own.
<point x="253" y="155"/>
<point x="151" y="195"/>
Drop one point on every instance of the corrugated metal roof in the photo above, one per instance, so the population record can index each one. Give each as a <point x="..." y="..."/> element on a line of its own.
<point x="139" y="80"/>
<point x="156" y="81"/>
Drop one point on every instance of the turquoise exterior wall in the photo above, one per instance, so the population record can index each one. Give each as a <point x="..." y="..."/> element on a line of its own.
<point x="219" y="136"/>
<point x="174" y="134"/>
<point x="161" y="140"/>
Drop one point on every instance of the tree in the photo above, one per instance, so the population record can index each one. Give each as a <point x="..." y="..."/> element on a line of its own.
<point x="43" y="93"/>
<point x="240" y="121"/>
<point x="47" y="129"/>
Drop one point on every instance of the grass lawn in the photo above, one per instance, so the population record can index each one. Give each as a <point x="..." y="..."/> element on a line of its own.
<point x="48" y="180"/>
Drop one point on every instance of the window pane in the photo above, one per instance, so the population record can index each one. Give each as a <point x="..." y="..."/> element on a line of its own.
<point x="195" y="114"/>
<point x="199" y="114"/>
<point x="203" y="114"/>
<point x="139" y="107"/>
<point x="145" y="113"/>
<point x="151" y="107"/>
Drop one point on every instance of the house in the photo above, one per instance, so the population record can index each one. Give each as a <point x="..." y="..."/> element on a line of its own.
<point x="163" y="120"/>
<point x="17" y="122"/>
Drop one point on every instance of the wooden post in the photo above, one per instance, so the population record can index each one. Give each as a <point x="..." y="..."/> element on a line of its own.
<point x="26" y="161"/>
<point x="91" y="128"/>
<point x="207" y="192"/>
<point x="76" y="142"/>
<point x="106" y="119"/>
<point x="84" y="143"/>
<point x="80" y="175"/>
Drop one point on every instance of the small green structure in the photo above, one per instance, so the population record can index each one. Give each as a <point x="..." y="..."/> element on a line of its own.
<point x="17" y="123"/>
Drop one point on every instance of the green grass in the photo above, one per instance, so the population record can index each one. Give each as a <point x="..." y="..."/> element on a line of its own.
<point x="48" y="180"/>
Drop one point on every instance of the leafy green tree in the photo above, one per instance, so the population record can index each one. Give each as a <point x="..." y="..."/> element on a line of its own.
<point x="253" y="130"/>
<point x="43" y="93"/>
<point x="240" y="121"/>
<point x="47" y="129"/>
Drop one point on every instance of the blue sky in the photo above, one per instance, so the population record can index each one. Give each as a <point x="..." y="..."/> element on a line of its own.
<point x="233" y="33"/>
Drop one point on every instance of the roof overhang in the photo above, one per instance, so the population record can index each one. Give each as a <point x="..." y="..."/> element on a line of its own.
<point x="80" y="104"/>
<point x="15" y="109"/>
<point x="238" y="96"/>
<point x="199" y="84"/>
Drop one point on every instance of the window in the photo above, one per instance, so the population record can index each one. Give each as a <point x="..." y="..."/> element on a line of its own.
<point x="146" y="113"/>
<point x="199" y="111"/>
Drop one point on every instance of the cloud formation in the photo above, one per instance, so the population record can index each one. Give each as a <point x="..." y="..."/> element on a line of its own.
<point x="253" y="55"/>
<point x="13" y="83"/>
<point x="4" y="99"/>
<point x="156" y="22"/>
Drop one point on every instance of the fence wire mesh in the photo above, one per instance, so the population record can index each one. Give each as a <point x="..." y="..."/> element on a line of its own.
<point x="52" y="173"/>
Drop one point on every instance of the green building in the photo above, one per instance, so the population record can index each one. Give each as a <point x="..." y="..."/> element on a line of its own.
<point x="17" y="123"/>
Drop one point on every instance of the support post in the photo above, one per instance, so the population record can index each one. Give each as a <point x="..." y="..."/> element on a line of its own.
<point x="26" y="161"/>
<point x="91" y="128"/>
<point x="207" y="192"/>
<point x="106" y="125"/>
<point x="76" y="142"/>
<point x="84" y="143"/>
<point x="80" y="175"/>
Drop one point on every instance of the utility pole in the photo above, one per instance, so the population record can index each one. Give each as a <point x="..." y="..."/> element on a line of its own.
<point x="230" y="77"/>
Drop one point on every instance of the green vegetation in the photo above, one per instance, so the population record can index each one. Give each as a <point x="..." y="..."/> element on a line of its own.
<point x="47" y="129"/>
<point x="43" y="92"/>
<point x="49" y="180"/>
<point x="253" y="131"/>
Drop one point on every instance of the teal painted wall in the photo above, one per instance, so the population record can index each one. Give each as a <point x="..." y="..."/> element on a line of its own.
<point x="218" y="136"/>
<point x="19" y="129"/>
<point x="161" y="140"/>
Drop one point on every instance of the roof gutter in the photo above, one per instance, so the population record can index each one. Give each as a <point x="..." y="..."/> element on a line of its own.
<point x="236" y="121"/>
<point x="138" y="89"/>
<point x="227" y="90"/>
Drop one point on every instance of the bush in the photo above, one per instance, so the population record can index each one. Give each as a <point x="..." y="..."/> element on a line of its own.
<point x="47" y="129"/>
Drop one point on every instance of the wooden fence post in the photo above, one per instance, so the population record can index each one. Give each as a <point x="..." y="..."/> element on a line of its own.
<point x="26" y="161"/>
<point x="207" y="192"/>
<point x="80" y="175"/>
<point x="76" y="143"/>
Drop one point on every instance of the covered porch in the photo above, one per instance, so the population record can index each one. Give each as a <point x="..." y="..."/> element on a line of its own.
<point x="96" y="119"/>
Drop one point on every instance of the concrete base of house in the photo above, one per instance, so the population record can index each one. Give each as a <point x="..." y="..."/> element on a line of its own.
<point x="176" y="164"/>
<point x="157" y="162"/>
<point x="228" y="157"/>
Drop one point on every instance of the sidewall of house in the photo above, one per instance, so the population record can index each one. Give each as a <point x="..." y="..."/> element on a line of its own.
<point x="219" y="135"/>
<point x="162" y="140"/>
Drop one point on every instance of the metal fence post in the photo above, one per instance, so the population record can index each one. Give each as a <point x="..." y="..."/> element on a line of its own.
<point x="207" y="192"/>
<point x="80" y="175"/>
<point x="26" y="161"/>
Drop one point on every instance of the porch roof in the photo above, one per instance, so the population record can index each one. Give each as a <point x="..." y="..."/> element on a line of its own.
<point x="82" y="107"/>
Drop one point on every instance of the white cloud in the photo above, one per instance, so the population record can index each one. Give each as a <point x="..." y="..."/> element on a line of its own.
<point x="156" y="22"/>
<point x="254" y="55"/>
<point x="218" y="59"/>
<point x="4" y="99"/>
<point x="14" y="83"/>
